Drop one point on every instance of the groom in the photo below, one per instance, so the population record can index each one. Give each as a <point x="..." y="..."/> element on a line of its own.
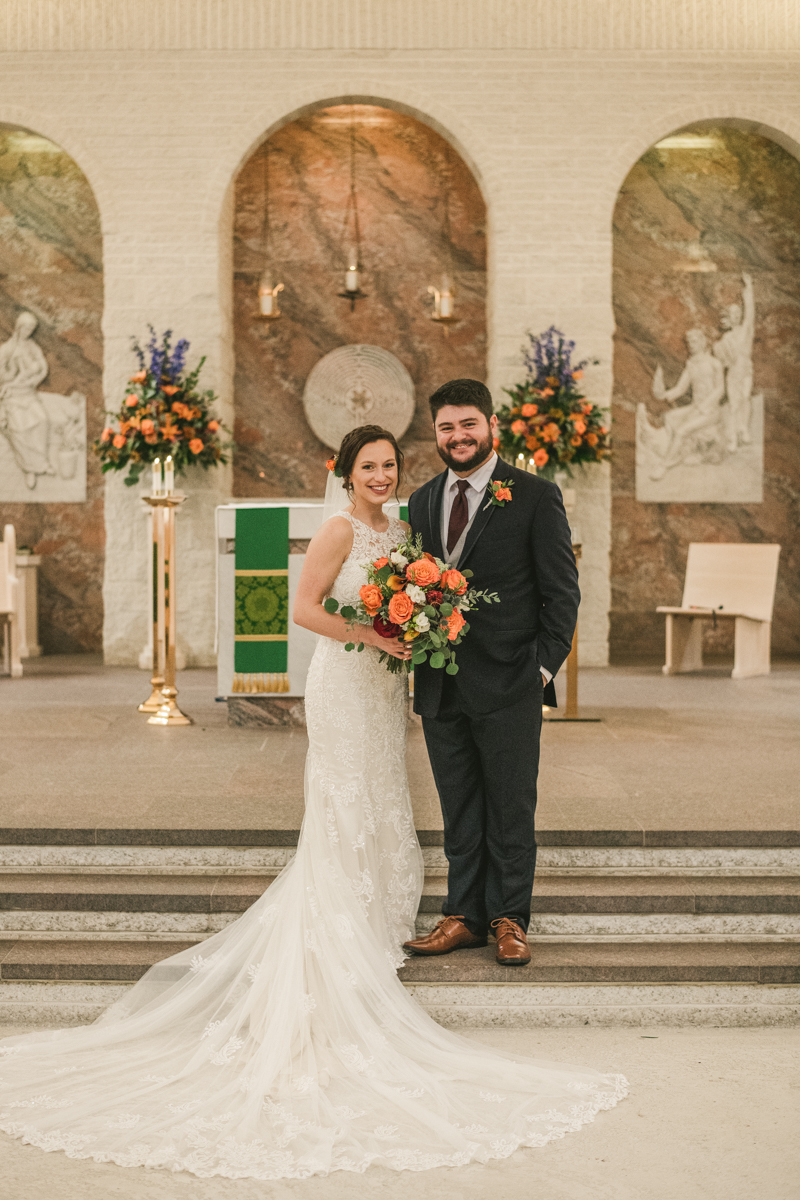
<point x="482" y="725"/>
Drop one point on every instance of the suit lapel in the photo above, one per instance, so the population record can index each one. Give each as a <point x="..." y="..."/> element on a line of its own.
<point x="435" y="497"/>
<point x="484" y="514"/>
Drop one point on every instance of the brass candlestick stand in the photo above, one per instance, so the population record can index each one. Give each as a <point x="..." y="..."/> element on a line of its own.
<point x="162" y="703"/>
<point x="571" y="711"/>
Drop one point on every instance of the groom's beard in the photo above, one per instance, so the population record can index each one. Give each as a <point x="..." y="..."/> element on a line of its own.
<point x="483" y="448"/>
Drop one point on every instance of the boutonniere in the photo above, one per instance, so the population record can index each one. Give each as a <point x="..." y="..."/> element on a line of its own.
<point x="499" y="493"/>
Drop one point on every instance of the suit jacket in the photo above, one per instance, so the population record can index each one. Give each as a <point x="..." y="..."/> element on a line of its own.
<point x="522" y="551"/>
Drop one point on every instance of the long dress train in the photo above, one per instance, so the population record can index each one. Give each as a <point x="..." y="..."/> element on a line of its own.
<point x="285" y="1045"/>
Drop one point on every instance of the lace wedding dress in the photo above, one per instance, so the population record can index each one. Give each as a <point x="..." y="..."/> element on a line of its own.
<point x="285" y="1046"/>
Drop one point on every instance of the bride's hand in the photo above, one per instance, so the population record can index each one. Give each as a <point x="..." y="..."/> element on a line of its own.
<point x="394" y="646"/>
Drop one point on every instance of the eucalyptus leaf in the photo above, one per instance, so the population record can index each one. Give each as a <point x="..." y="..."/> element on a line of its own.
<point x="446" y="609"/>
<point x="350" y="646"/>
<point x="437" y="659"/>
<point x="429" y="611"/>
<point x="331" y="605"/>
<point x="348" y="612"/>
<point x="451" y="668"/>
<point x="419" y="658"/>
<point x="360" y="647"/>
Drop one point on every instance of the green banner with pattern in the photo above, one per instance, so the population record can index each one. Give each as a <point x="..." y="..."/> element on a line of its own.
<point x="261" y="621"/>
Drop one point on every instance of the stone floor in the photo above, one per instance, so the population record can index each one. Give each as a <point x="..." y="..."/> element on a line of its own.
<point x="689" y="752"/>
<point x="712" y="1115"/>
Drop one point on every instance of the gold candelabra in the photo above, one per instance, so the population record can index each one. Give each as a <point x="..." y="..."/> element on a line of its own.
<point x="162" y="700"/>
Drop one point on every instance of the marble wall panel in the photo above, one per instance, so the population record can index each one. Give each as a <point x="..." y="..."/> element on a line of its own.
<point x="694" y="214"/>
<point x="402" y="168"/>
<point x="51" y="265"/>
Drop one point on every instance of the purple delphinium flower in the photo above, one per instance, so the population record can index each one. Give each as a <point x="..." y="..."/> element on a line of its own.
<point x="176" y="363"/>
<point x="158" y="354"/>
<point x="547" y="358"/>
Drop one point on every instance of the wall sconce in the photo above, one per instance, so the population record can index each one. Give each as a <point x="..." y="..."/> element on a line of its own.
<point x="443" y="302"/>
<point x="268" y="298"/>
<point x="352" y="287"/>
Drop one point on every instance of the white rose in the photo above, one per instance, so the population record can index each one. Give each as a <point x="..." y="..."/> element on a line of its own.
<point x="398" y="559"/>
<point x="422" y="623"/>
<point x="415" y="593"/>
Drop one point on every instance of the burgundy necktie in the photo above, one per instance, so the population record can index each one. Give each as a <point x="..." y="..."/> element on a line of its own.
<point x="459" y="515"/>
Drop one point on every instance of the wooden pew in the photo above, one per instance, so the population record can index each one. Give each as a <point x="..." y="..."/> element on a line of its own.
<point x="724" y="581"/>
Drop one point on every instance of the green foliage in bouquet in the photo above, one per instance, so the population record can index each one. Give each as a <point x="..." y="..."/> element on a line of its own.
<point x="549" y="419"/>
<point x="162" y="414"/>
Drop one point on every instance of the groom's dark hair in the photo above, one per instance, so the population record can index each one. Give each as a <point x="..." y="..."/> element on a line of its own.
<point x="463" y="393"/>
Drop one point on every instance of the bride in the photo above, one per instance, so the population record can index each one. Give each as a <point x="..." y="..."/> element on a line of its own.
<point x="285" y="1046"/>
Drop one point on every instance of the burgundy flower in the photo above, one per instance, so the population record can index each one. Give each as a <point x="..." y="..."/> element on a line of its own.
<point x="434" y="596"/>
<point x="385" y="629"/>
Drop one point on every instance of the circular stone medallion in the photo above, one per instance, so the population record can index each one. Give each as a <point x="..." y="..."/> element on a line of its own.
<point x="358" y="385"/>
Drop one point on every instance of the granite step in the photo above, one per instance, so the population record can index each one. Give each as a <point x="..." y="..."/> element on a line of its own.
<point x="552" y="963"/>
<point x="574" y="908"/>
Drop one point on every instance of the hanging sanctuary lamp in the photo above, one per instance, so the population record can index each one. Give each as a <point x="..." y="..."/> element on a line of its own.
<point x="352" y="239"/>
<point x="443" y="296"/>
<point x="267" y="292"/>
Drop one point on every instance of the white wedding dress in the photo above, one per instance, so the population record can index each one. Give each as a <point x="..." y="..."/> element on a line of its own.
<point x="285" y="1046"/>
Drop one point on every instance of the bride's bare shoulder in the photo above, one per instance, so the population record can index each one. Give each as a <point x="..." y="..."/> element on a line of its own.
<point x="334" y="536"/>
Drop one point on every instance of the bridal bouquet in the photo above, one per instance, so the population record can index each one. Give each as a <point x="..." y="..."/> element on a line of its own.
<point x="417" y="597"/>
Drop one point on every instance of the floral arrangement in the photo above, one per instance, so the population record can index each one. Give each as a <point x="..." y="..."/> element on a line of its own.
<point x="416" y="596"/>
<point x="549" y="419"/>
<point x="162" y="414"/>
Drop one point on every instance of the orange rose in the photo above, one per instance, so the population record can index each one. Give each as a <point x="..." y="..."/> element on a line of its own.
<point x="519" y="428"/>
<point x="195" y="445"/>
<point x="371" y="598"/>
<point x="455" y="623"/>
<point x="424" y="573"/>
<point x="580" y="427"/>
<point x="454" y="581"/>
<point x="550" y="432"/>
<point x="106" y="435"/>
<point x="532" y="443"/>
<point x="169" y="389"/>
<point x="530" y="410"/>
<point x="380" y="562"/>
<point x="212" y="426"/>
<point x="495" y="442"/>
<point x="139" y="377"/>
<point x="119" y="441"/>
<point x="131" y="401"/>
<point x="401" y="608"/>
<point x="151" y="439"/>
<point x="540" y="458"/>
<point x="575" y="440"/>
<point x="602" y="429"/>
<point x="330" y="464"/>
<point x="587" y="407"/>
<point x="591" y="438"/>
<point x="395" y="582"/>
<point x="547" y="392"/>
<point x="502" y="494"/>
<point x="577" y="374"/>
<point x="147" y="426"/>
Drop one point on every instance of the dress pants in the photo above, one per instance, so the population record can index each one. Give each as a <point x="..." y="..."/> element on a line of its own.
<point x="486" y="766"/>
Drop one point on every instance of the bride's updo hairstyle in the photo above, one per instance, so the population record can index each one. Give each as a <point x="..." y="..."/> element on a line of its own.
<point x="355" y="441"/>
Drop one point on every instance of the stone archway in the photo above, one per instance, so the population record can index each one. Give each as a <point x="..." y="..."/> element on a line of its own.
<point x="401" y="166"/>
<point x="706" y="209"/>
<point x="51" y="265"/>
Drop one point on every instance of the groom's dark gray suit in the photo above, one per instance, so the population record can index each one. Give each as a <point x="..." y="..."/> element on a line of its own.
<point x="482" y="725"/>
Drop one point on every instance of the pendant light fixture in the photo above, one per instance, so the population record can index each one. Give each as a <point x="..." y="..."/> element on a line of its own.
<point x="267" y="290"/>
<point x="351" y="232"/>
<point x="443" y="296"/>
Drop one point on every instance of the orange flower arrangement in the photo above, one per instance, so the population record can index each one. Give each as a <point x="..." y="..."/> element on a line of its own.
<point x="161" y="414"/>
<point x="414" y="596"/>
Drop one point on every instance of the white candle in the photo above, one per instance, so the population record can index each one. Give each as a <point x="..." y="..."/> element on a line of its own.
<point x="351" y="279"/>
<point x="521" y="461"/>
<point x="157" y="484"/>
<point x="531" y="467"/>
<point x="169" y="476"/>
<point x="266" y="300"/>
<point x="446" y="305"/>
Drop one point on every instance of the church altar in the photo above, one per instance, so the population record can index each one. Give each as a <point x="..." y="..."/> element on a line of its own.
<point x="261" y="547"/>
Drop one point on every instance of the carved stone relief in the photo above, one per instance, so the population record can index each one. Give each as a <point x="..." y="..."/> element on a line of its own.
<point x="42" y="434"/>
<point x="358" y="385"/>
<point x="709" y="449"/>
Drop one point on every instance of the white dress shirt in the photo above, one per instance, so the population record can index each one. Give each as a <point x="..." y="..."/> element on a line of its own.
<point x="478" y="482"/>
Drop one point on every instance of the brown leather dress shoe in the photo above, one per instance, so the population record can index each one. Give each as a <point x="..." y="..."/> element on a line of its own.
<point x="449" y="934"/>
<point x="512" y="943"/>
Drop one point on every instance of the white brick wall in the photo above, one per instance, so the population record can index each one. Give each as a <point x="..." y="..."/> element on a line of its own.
<point x="549" y="133"/>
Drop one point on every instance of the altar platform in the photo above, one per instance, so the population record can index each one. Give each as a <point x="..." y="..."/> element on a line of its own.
<point x="668" y="887"/>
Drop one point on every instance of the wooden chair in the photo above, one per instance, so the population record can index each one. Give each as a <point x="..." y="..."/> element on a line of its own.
<point x="9" y="603"/>
<point x="724" y="581"/>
